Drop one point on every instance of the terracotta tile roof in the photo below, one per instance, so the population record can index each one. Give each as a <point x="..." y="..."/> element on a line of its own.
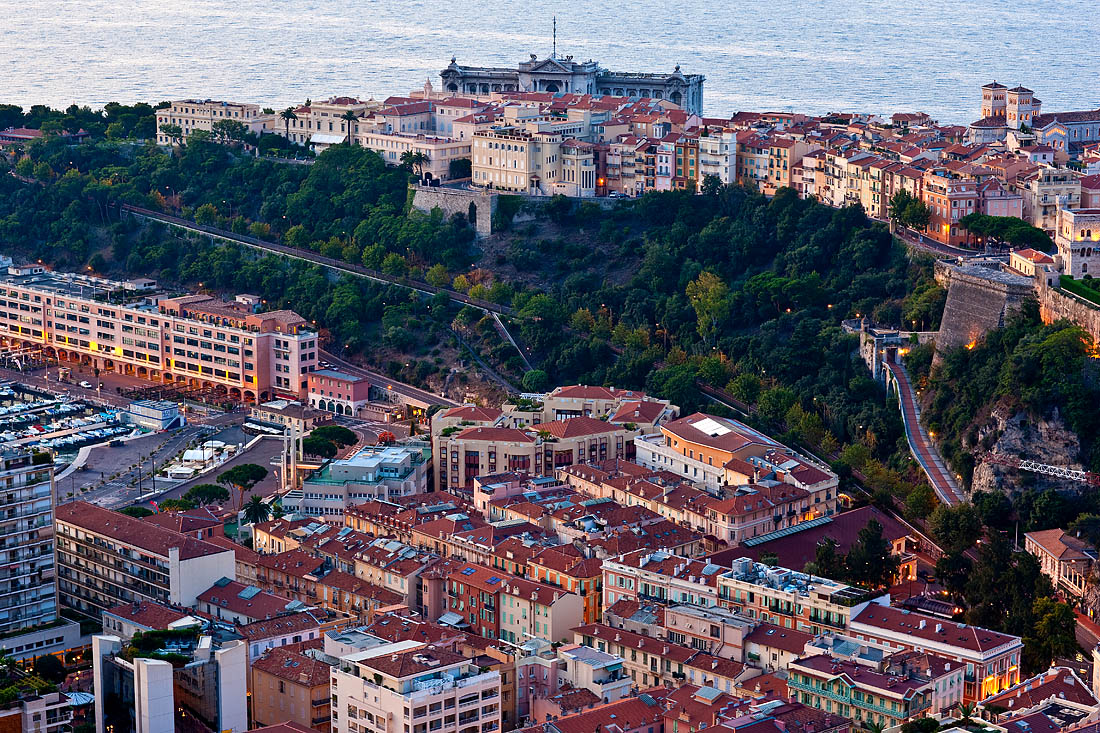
<point x="1092" y="115"/>
<point x="576" y="427"/>
<point x="622" y="715"/>
<point x="638" y="411"/>
<point x="568" y="562"/>
<point x="185" y="522"/>
<point x="575" y="699"/>
<point x="720" y="433"/>
<point x="281" y="625"/>
<point x="767" y="684"/>
<point x="242" y="553"/>
<point x="132" y="531"/>
<point x="246" y="600"/>
<point x="789" y="640"/>
<point x="640" y="642"/>
<point x="298" y="563"/>
<point x="474" y="413"/>
<point x="1057" y="682"/>
<point x="149" y="614"/>
<point x="495" y="435"/>
<point x="588" y="392"/>
<point x="664" y="535"/>
<point x="392" y="628"/>
<point x="413" y="661"/>
<point x="971" y="638"/>
<point x="625" y="608"/>
<point x="294" y="667"/>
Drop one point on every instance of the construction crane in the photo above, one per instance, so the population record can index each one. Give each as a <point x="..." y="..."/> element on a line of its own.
<point x="1069" y="474"/>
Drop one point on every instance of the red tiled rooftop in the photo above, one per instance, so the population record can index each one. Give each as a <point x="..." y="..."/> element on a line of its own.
<point x="132" y="531"/>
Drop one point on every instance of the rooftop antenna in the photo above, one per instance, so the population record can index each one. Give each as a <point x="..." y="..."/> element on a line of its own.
<point x="554" y="53"/>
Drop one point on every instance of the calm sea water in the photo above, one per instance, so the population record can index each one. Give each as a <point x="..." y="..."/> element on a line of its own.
<point x="807" y="55"/>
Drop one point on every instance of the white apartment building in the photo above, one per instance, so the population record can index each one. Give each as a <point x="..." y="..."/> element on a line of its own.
<point x="415" y="687"/>
<point x="201" y="114"/>
<point x="195" y="340"/>
<point x="718" y="156"/>
<point x="27" y="583"/>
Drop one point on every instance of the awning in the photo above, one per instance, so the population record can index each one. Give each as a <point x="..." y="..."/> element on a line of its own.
<point x="318" y="138"/>
<point x="451" y="619"/>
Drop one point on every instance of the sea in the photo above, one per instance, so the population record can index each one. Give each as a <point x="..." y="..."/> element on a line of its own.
<point x="810" y="56"/>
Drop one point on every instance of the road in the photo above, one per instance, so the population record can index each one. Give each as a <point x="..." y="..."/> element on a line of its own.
<point x="933" y="247"/>
<point x="387" y="383"/>
<point x="943" y="483"/>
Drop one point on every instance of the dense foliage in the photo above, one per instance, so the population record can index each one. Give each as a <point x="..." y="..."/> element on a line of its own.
<point x="1027" y="366"/>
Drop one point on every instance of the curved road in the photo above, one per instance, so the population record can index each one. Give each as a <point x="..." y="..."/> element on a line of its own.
<point x="943" y="483"/>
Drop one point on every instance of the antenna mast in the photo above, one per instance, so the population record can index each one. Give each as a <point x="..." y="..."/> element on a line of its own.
<point x="554" y="53"/>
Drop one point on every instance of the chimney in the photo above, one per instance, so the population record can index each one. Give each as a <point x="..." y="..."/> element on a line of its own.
<point x="939" y="628"/>
<point x="923" y="623"/>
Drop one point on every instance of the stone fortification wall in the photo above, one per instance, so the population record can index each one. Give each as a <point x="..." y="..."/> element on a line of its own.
<point x="453" y="201"/>
<point x="978" y="300"/>
<point x="1056" y="305"/>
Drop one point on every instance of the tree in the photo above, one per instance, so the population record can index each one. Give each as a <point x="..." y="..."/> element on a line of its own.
<point x="386" y="438"/>
<point x="415" y="160"/>
<point x="898" y="203"/>
<point x="242" y="478"/>
<point x="204" y="494"/>
<point x="770" y="559"/>
<point x="173" y="133"/>
<point x="828" y="562"/>
<point x="50" y="668"/>
<point x="536" y="380"/>
<point x="710" y="298"/>
<point x="1053" y="635"/>
<point x="745" y="387"/>
<point x="136" y="511"/>
<point x="437" y="276"/>
<point x="711" y="185"/>
<point x="871" y="561"/>
<point x="320" y="447"/>
<point x="287" y="115"/>
<point x="256" y="511"/>
<point x="227" y="131"/>
<point x="337" y="434"/>
<point x="349" y="118"/>
<point x="918" y="215"/>
<point x="955" y="528"/>
<point x="175" y="505"/>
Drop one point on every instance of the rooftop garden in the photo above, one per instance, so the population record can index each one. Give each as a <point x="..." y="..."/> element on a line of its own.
<point x="170" y="645"/>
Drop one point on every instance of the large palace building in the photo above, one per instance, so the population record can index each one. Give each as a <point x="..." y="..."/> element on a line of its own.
<point x="130" y="328"/>
<point x="563" y="74"/>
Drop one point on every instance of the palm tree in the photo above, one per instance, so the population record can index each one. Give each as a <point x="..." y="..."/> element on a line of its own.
<point x="349" y="117"/>
<point x="288" y="115"/>
<point x="256" y="511"/>
<point x="874" y="726"/>
<point x="416" y="161"/>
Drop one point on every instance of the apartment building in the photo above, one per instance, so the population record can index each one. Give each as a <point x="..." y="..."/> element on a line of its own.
<point x="337" y="392"/>
<point x="290" y="686"/>
<point x="28" y="582"/>
<point x="791" y="599"/>
<point x="718" y="155"/>
<point x="201" y="114"/>
<point x="992" y="659"/>
<point x="374" y="473"/>
<point x="194" y="340"/>
<point x="563" y="566"/>
<point x="879" y="690"/>
<point x="661" y="577"/>
<point x="1047" y="190"/>
<point x="496" y="605"/>
<point x="105" y="559"/>
<point x="717" y="453"/>
<point x="950" y="196"/>
<point x="1065" y="559"/>
<point x="513" y="159"/>
<point x="416" y="685"/>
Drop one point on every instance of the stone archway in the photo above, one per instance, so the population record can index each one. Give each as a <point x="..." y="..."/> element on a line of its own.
<point x="676" y="98"/>
<point x="452" y="87"/>
<point x="249" y="396"/>
<point x="471" y="214"/>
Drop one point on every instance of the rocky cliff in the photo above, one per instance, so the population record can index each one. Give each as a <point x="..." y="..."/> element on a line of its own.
<point x="1046" y="440"/>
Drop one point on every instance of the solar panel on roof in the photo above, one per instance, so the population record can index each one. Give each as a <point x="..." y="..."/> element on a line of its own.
<point x="493" y="580"/>
<point x="468" y="571"/>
